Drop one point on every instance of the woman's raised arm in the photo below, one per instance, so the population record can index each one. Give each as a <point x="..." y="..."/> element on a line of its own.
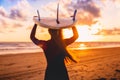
<point x="32" y="35"/>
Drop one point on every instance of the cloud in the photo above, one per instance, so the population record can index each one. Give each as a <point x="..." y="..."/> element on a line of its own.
<point x="114" y="2"/>
<point x="117" y="3"/>
<point x="20" y="11"/>
<point x="2" y="11"/>
<point x="87" y="10"/>
<point x="17" y="16"/>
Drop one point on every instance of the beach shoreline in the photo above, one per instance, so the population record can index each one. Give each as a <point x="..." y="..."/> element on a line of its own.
<point x="94" y="64"/>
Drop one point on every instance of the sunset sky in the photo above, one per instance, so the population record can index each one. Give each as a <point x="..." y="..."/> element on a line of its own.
<point x="98" y="20"/>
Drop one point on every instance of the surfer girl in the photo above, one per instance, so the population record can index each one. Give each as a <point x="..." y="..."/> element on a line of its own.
<point x="55" y="52"/>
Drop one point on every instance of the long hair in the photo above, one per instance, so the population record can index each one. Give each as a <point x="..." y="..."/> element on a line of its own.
<point x="57" y="35"/>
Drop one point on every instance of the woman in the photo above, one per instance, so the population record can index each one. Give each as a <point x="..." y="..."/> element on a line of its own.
<point x="55" y="52"/>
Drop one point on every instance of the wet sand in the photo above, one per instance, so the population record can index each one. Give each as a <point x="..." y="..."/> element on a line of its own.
<point x="94" y="64"/>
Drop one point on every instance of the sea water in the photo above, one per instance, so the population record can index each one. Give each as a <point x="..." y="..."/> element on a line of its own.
<point x="29" y="47"/>
<point x="18" y="47"/>
<point x="94" y="45"/>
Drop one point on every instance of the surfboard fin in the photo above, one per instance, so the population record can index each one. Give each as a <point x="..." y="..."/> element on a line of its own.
<point x="38" y="15"/>
<point x="74" y="15"/>
<point x="57" y="20"/>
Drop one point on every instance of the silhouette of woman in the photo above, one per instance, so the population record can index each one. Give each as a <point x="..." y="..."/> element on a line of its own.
<point x="55" y="52"/>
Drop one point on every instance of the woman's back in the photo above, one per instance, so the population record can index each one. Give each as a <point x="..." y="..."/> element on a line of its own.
<point x="52" y="50"/>
<point x="56" y="69"/>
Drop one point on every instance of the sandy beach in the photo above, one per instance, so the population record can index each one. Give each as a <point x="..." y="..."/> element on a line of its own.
<point x="94" y="64"/>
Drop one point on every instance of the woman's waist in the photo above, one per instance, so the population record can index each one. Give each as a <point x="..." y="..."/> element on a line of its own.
<point x="56" y="61"/>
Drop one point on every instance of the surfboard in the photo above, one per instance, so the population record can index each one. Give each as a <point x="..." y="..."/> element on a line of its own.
<point x="57" y="23"/>
<point x="51" y="22"/>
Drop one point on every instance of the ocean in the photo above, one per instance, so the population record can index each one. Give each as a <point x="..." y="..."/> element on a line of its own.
<point x="18" y="47"/>
<point x="29" y="47"/>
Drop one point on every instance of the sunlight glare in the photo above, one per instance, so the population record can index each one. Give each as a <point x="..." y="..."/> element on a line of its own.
<point x="84" y="33"/>
<point x="82" y="46"/>
<point x="96" y="28"/>
<point x="67" y="33"/>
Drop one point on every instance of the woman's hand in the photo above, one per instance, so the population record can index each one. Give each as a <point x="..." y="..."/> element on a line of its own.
<point x="35" y="18"/>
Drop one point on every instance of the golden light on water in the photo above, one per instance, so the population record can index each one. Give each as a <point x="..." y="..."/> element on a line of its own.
<point x="82" y="46"/>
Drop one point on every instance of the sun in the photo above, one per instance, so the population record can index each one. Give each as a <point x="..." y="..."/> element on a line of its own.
<point x="86" y="33"/>
<point x="83" y="31"/>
